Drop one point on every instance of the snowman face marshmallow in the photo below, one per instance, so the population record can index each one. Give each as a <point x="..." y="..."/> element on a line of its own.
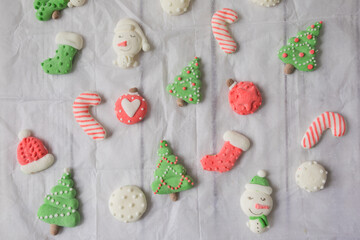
<point x="256" y="203"/>
<point x="127" y="42"/>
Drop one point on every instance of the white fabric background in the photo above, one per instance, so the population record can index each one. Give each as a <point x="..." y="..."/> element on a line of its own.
<point x="29" y="98"/>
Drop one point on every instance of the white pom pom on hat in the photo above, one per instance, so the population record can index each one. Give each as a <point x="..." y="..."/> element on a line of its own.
<point x="261" y="173"/>
<point x="24" y="134"/>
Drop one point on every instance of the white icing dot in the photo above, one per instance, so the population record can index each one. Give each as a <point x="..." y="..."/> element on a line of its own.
<point x="56" y="215"/>
<point x="68" y="214"/>
<point x="61" y="215"/>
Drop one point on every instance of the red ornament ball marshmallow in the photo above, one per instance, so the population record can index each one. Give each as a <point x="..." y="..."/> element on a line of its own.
<point x="244" y="97"/>
<point x="131" y="108"/>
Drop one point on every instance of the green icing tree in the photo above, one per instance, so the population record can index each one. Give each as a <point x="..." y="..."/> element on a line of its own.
<point x="170" y="177"/>
<point x="187" y="85"/>
<point x="46" y="8"/>
<point x="69" y="44"/>
<point x="60" y="206"/>
<point x="300" y="51"/>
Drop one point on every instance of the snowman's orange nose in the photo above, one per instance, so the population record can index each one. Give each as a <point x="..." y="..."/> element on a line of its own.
<point x="259" y="206"/>
<point x="122" y="44"/>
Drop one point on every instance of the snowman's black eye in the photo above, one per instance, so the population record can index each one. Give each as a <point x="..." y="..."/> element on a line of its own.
<point x="120" y="36"/>
<point x="132" y="36"/>
<point x="250" y="198"/>
<point x="262" y="199"/>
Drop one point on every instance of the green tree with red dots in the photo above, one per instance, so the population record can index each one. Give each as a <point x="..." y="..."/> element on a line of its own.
<point x="300" y="51"/>
<point x="186" y="86"/>
<point x="170" y="177"/>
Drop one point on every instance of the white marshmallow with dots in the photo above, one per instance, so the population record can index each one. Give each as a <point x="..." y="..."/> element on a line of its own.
<point x="267" y="3"/>
<point x="311" y="176"/>
<point x="175" y="7"/>
<point x="127" y="204"/>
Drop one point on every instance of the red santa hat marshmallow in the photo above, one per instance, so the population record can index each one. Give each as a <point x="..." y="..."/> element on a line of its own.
<point x="32" y="154"/>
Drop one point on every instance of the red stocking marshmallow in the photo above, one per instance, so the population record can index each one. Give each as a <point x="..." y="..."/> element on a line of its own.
<point x="244" y="97"/>
<point x="235" y="144"/>
<point x="32" y="154"/>
<point x="131" y="108"/>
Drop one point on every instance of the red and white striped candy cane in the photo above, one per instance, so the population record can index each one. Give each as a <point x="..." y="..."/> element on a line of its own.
<point x="326" y="120"/>
<point x="81" y="110"/>
<point x="220" y="29"/>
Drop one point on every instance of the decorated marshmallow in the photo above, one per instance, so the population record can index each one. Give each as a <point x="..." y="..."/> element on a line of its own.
<point x="267" y="3"/>
<point x="219" y="23"/>
<point x="131" y="108"/>
<point x="257" y="203"/>
<point x="32" y="154"/>
<point x="60" y="205"/>
<point x="235" y="144"/>
<point x="326" y="120"/>
<point x="170" y="176"/>
<point x="311" y="176"/>
<point x="76" y="3"/>
<point x="187" y="86"/>
<point x="127" y="204"/>
<point x="244" y="97"/>
<point x="128" y="41"/>
<point x="300" y="51"/>
<point x="175" y="7"/>
<point x="81" y="111"/>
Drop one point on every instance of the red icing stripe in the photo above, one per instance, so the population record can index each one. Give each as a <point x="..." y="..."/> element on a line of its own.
<point x="83" y="116"/>
<point x="312" y="135"/>
<point x="225" y="44"/>
<point x="218" y="23"/>
<point x="89" y="94"/>
<point x="222" y="29"/>
<point x="315" y="128"/>
<point x="318" y="120"/>
<point x="227" y="13"/>
<point x="339" y="124"/>
<point x="344" y="125"/>
<point x="224" y="40"/>
<point x="304" y="143"/>
<point x="328" y="116"/>
<point x="223" y="34"/>
<point x="308" y="136"/>
<point x="224" y="17"/>
<point x="333" y="115"/>
<point x="89" y="125"/>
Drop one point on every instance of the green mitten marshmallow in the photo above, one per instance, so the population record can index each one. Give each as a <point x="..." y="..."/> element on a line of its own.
<point x="187" y="85"/>
<point x="300" y="50"/>
<point x="69" y="43"/>
<point x="45" y="8"/>
<point x="60" y="206"/>
<point x="170" y="177"/>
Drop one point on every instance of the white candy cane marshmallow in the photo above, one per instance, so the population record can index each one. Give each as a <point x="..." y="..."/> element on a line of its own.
<point x="326" y="120"/>
<point x="81" y="110"/>
<point x="220" y="29"/>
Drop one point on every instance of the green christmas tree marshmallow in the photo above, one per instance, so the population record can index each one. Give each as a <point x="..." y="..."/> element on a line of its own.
<point x="187" y="85"/>
<point x="300" y="51"/>
<point x="170" y="177"/>
<point x="46" y="8"/>
<point x="69" y="43"/>
<point x="60" y="206"/>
